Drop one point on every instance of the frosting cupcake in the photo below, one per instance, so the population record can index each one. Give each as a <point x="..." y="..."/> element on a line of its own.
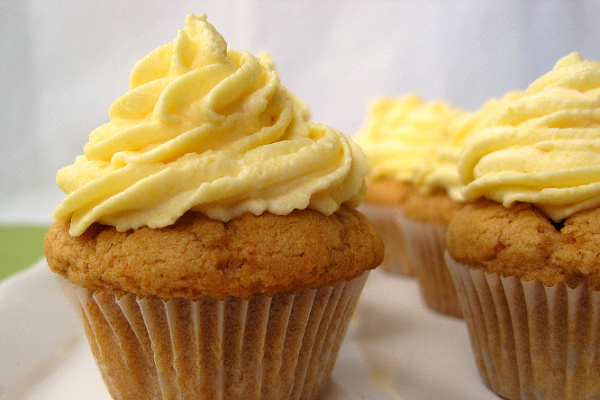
<point x="411" y="153"/>
<point x="398" y="135"/>
<point x="209" y="239"/>
<point x="524" y="253"/>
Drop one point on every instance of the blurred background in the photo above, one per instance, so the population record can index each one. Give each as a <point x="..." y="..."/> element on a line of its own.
<point x="63" y="62"/>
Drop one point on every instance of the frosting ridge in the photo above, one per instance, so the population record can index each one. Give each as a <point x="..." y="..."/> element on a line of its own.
<point x="209" y="129"/>
<point x="407" y="139"/>
<point x="544" y="146"/>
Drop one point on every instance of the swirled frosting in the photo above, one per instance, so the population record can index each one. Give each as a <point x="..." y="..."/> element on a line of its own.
<point x="441" y="170"/>
<point x="209" y="129"/>
<point x="406" y="139"/>
<point x="543" y="147"/>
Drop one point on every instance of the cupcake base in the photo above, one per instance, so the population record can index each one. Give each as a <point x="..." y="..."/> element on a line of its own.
<point x="531" y="341"/>
<point x="427" y="244"/>
<point x="279" y="347"/>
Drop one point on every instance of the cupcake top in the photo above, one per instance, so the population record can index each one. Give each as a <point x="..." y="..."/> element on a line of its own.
<point x="207" y="129"/>
<point x="402" y="139"/>
<point x="522" y="241"/>
<point x="210" y="180"/>
<point x="200" y="256"/>
<point x="543" y="147"/>
<point x="534" y="177"/>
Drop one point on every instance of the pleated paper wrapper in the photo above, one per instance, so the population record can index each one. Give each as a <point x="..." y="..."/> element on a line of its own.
<point x="531" y="341"/>
<point x="279" y="347"/>
<point x="388" y="223"/>
<point x="426" y="244"/>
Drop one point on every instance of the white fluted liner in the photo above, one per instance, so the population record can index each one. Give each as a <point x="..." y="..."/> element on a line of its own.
<point x="531" y="341"/>
<point x="280" y="347"/>
<point x="427" y="245"/>
<point x="385" y="219"/>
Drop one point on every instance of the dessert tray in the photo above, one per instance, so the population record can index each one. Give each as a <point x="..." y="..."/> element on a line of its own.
<point x="395" y="348"/>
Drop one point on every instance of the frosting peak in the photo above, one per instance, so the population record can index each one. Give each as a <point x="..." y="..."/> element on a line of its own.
<point x="209" y="129"/>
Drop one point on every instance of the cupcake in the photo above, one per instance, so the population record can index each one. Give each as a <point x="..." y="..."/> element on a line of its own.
<point x="524" y="253"/>
<point x="407" y="142"/>
<point x="209" y="239"/>
<point x="398" y="134"/>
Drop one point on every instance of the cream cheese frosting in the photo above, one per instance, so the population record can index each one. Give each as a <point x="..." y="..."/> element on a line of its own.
<point x="209" y="129"/>
<point x="543" y="147"/>
<point x="402" y="139"/>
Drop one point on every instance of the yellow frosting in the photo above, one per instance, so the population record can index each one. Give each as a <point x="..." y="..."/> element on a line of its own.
<point x="441" y="170"/>
<point x="402" y="138"/>
<point x="209" y="129"/>
<point x="544" y="146"/>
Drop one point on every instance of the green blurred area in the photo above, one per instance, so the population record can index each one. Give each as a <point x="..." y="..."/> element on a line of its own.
<point x="20" y="247"/>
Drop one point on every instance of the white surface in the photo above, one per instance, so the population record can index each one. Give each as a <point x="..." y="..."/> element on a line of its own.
<point x="395" y="348"/>
<point x="63" y="62"/>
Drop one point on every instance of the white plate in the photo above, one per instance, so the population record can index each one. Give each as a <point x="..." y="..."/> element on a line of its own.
<point x="395" y="348"/>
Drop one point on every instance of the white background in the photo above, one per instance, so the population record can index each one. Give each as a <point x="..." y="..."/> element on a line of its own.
<point x="62" y="63"/>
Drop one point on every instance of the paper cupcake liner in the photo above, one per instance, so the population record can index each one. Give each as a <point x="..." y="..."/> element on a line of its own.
<point x="427" y="245"/>
<point x="385" y="219"/>
<point x="280" y="347"/>
<point x="531" y="341"/>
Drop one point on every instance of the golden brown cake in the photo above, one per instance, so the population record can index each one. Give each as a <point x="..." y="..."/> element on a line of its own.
<point x="209" y="240"/>
<point x="524" y="254"/>
<point x="198" y="256"/>
<point x="522" y="241"/>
